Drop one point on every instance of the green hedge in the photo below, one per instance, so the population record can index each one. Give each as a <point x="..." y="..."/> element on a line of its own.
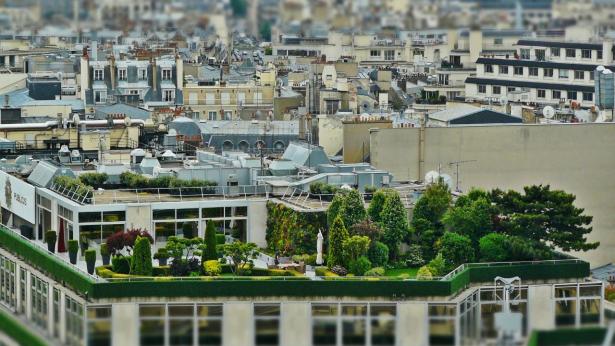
<point x="18" y="331"/>
<point x="565" y="337"/>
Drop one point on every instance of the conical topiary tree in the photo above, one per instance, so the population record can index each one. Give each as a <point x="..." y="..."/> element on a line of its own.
<point x="210" y="253"/>
<point x="336" y="208"/>
<point x="141" y="263"/>
<point x="354" y="209"/>
<point x="394" y="222"/>
<point x="337" y="235"/>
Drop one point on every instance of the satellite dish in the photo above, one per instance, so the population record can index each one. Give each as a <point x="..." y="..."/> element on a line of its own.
<point x="548" y="112"/>
<point x="432" y="177"/>
<point x="127" y="121"/>
<point x="76" y="119"/>
<point x="446" y="179"/>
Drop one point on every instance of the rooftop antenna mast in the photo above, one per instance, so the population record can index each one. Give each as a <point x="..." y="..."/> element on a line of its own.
<point x="456" y="164"/>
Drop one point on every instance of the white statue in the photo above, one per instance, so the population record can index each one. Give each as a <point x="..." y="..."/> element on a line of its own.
<point x="319" y="260"/>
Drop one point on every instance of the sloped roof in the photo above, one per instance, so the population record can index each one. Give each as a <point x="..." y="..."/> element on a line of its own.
<point x="468" y="114"/>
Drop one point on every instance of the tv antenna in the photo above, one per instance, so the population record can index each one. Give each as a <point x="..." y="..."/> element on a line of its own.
<point x="456" y="164"/>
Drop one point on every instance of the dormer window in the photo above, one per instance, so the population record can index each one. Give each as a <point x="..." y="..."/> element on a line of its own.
<point x="142" y="74"/>
<point x="166" y="74"/>
<point x="99" y="74"/>
<point x="122" y="74"/>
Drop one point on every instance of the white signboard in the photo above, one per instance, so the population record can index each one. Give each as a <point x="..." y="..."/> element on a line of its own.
<point x="18" y="197"/>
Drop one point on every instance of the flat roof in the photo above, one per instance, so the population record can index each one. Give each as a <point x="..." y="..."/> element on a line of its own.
<point x="559" y="44"/>
<point x="523" y="83"/>
<point x="535" y="63"/>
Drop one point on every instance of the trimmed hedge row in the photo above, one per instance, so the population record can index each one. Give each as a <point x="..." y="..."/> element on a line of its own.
<point x="565" y="337"/>
<point x="18" y="332"/>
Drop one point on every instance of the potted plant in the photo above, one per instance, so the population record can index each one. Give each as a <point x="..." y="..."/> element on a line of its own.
<point x="90" y="260"/>
<point x="162" y="255"/>
<point x="73" y="248"/>
<point x="84" y="244"/>
<point x="105" y="254"/>
<point x="50" y="239"/>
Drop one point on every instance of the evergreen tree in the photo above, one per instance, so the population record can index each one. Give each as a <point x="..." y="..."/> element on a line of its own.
<point x="376" y="204"/>
<point x="471" y="218"/>
<point x="394" y="222"/>
<point x="337" y="236"/>
<point x="141" y="258"/>
<point x="456" y="249"/>
<point x="432" y="205"/>
<point x="354" y="209"/>
<point x="336" y="208"/>
<point x="210" y="253"/>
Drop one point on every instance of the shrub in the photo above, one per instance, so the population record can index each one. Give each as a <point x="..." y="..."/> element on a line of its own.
<point x="120" y="240"/>
<point x="337" y="237"/>
<point x="220" y="238"/>
<point x="493" y="247"/>
<point x="142" y="258"/>
<point x="212" y="268"/>
<point x="355" y="247"/>
<point x="95" y="180"/>
<point x="456" y="249"/>
<point x="73" y="246"/>
<point x="183" y="267"/>
<point x="370" y="189"/>
<point x="377" y="271"/>
<point x="162" y="253"/>
<point x="104" y="250"/>
<point x="188" y="230"/>
<point x="424" y="273"/>
<point x="161" y="271"/>
<point x="359" y="266"/>
<point x="241" y="254"/>
<point x="90" y="255"/>
<point x="378" y="254"/>
<point x="324" y="271"/>
<point x="339" y="270"/>
<point x="50" y="237"/>
<point x="437" y="266"/>
<point x="366" y="228"/>
<point x="210" y="252"/>
<point x="414" y="256"/>
<point x="74" y="185"/>
<point x="354" y="209"/>
<point x="305" y="258"/>
<point x="121" y="264"/>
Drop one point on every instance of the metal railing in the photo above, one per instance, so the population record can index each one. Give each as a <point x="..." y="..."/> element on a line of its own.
<point x="179" y="193"/>
<point x="465" y="266"/>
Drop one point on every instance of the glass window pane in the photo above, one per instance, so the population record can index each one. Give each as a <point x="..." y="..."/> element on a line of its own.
<point x="565" y="313"/>
<point x="353" y="332"/>
<point x="267" y="332"/>
<point x="382" y="310"/>
<point x="165" y="214"/>
<point x="163" y="230"/>
<point x="212" y="212"/>
<point x="89" y="217"/>
<point x="383" y="331"/>
<point x="441" y="332"/>
<point x="590" y="291"/>
<point x="324" y="310"/>
<point x="151" y="310"/>
<point x="442" y="310"/>
<point x="181" y="332"/>
<point x="188" y="213"/>
<point x="566" y="292"/>
<point x="324" y="333"/>
<point x="91" y="232"/>
<point x="98" y="312"/>
<point x="590" y="311"/>
<point x="108" y="230"/>
<point x="214" y="310"/>
<point x="114" y="216"/>
<point x="181" y="310"/>
<point x="354" y="309"/>
<point x="152" y="332"/>
<point x="99" y="333"/>
<point x="210" y="332"/>
<point x="267" y="310"/>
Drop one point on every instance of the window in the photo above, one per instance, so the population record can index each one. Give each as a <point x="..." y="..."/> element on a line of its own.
<point x="577" y="305"/>
<point x="99" y="325"/>
<point x="488" y="68"/>
<point x="554" y="51"/>
<point x="267" y="324"/>
<point x="563" y="74"/>
<point x="183" y="223"/>
<point x="599" y="54"/>
<point x="497" y="41"/>
<point x="228" y="115"/>
<point x="151" y="326"/>
<point x="241" y="98"/>
<point x="209" y="324"/>
<point x="540" y="54"/>
<point x="97" y="226"/>
<point x="142" y="73"/>
<point x="168" y="95"/>
<point x="442" y="324"/>
<point x="374" y="53"/>
<point x="73" y="314"/>
<point x="525" y="53"/>
<point x="353" y="324"/>
<point x="38" y="291"/>
<point x="511" y="89"/>
<point x="548" y="72"/>
<point x="389" y="55"/>
<point x="541" y="93"/>
<point x="193" y="99"/>
<point x="571" y="53"/>
<point x="98" y="74"/>
<point x="588" y="96"/>
<point x="496" y="90"/>
<point x="211" y="115"/>
<point x="533" y="71"/>
<point x="210" y="99"/>
<point x="225" y="98"/>
<point x="482" y="89"/>
<point x="56" y="312"/>
<point x="166" y="74"/>
<point x="579" y="74"/>
<point x="586" y="54"/>
<point x="8" y="281"/>
<point x="518" y="71"/>
<point x="556" y="94"/>
<point x="122" y="74"/>
<point x="100" y="96"/>
<point x="572" y="95"/>
<point x="503" y="69"/>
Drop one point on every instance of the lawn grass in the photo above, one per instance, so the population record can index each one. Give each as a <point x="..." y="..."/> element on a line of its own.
<point x="411" y="272"/>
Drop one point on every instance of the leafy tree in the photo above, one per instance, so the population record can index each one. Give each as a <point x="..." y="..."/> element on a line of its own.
<point x="337" y="235"/>
<point x="376" y="204"/>
<point x="119" y="241"/>
<point x="522" y="249"/>
<point x="241" y="254"/>
<point x="414" y="256"/>
<point x="394" y="222"/>
<point x="368" y="229"/>
<point x="360" y="265"/>
<point x="378" y="253"/>
<point x="471" y="219"/>
<point x="239" y="8"/>
<point x="209" y="251"/>
<point x="544" y="215"/>
<point x="142" y="258"/>
<point x="336" y="208"/>
<point x="456" y="249"/>
<point x="355" y="247"/>
<point x="493" y="248"/>
<point x="354" y="209"/>
<point x="433" y="204"/>
<point x="424" y="273"/>
<point x="437" y="266"/>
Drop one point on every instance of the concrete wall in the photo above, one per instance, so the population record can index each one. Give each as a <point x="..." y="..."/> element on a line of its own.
<point x="577" y="158"/>
<point x="356" y="138"/>
<point x="541" y="308"/>
<point x="139" y="216"/>
<point x="330" y="135"/>
<point x="257" y="223"/>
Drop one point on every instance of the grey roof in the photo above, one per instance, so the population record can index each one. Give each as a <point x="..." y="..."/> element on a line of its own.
<point x="44" y="172"/>
<point x="226" y="127"/>
<point x="17" y="98"/>
<point x="122" y="108"/>
<point x="185" y="126"/>
<point x="305" y="155"/>
<point x="604" y="273"/>
<point x="468" y="114"/>
<point x="75" y="104"/>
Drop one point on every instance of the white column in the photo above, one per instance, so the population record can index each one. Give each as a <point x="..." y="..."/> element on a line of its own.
<point x="412" y="328"/>
<point x="238" y="324"/>
<point x="62" y="307"/>
<point x="295" y="324"/>
<point x="541" y="308"/>
<point x="125" y="322"/>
